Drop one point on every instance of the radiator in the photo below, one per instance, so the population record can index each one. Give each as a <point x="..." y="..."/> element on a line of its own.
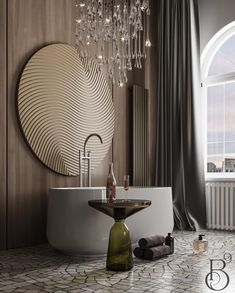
<point x="220" y="204"/>
<point x="140" y="136"/>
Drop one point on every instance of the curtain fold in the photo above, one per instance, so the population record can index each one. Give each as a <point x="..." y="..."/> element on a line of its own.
<point x="179" y="158"/>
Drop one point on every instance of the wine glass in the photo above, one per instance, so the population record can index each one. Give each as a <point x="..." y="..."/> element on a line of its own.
<point x="126" y="183"/>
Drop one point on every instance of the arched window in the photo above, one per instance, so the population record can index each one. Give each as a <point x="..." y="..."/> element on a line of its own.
<point x="218" y="84"/>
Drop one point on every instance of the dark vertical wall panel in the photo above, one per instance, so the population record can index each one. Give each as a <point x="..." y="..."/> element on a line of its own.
<point x="151" y="71"/>
<point x="146" y="77"/>
<point x="3" y="30"/>
<point x="140" y="131"/>
<point x="122" y="136"/>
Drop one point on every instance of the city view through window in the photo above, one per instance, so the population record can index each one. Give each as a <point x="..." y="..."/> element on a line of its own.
<point x="221" y="112"/>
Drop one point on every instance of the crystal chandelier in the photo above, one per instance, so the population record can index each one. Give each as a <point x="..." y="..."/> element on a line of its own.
<point x="115" y="31"/>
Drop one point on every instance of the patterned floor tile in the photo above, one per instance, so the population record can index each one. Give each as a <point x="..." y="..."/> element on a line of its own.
<point x="42" y="269"/>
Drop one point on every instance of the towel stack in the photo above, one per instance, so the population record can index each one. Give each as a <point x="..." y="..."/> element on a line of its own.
<point x="152" y="247"/>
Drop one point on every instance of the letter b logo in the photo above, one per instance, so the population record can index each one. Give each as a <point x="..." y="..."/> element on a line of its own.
<point x="217" y="279"/>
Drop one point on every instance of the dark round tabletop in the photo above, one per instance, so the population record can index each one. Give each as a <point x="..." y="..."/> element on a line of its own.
<point x="119" y="208"/>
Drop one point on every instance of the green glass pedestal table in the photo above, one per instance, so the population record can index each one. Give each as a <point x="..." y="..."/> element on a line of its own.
<point x="119" y="257"/>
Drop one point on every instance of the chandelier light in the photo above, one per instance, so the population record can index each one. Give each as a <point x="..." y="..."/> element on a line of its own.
<point x="114" y="33"/>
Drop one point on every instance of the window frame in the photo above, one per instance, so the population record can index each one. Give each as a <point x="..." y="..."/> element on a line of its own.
<point x="206" y="58"/>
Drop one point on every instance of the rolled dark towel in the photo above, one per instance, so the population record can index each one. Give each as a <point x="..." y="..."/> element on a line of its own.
<point x="155" y="252"/>
<point x="151" y="241"/>
<point x="139" y="252"/>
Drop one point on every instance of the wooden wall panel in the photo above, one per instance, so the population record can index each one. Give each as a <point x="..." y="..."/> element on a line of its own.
<point x="33" y="24"/>
<point x="3" y="30"/>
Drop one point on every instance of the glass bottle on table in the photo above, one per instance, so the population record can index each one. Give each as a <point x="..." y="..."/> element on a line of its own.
<point x="125" y="184"/>
<point x="111" y="184"/>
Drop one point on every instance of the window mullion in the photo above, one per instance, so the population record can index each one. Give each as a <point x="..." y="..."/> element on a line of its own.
<point x="217" y="80"/>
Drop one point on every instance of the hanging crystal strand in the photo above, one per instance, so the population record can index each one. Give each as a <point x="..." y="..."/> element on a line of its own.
<point x="135" y="52"/>
<point x="77" y="25"/>
<point x="147" y="42"/>
<point x="109" y="42"/>
<point x="106" y="23"/>
<point x="138" y="16"/>
<point x="104" y="34"/>
<point x="147" y="7"/>
<point x="144" y="36"/>
<point x="118" y="30"/>
<point x="120" y="43"/>
<point x="110" y="63"/>
<point x="121" y="83"/>
<point x="98" y="56"/>
<point x="114" y="40"/>
<point x="92" y="19"/>
<point x="101" y="31"/>
<point x="113" y="62"/>
<point x="139" y="30"/>
<point x="139" y="51"/>
<point x="125" y="63"/>
<point x="125" y="20"/>
<point x="129" y="65"/>
<point x="122" y="40"/>
<point x="130" y="44"/>
<point x="117" y="40"/>
<point x="96" y="35"/>
<point x="89" y="37"/>
<point x="109" y="24"/>
<point x="134" y="56"/>
<point x="87" y="29"/>
<point x="123" y="78"/>
<point x="78" y="31"/>
<point x="126" y="38"/>
<point x="113" y="32"/>
<point x="84" y="28"/>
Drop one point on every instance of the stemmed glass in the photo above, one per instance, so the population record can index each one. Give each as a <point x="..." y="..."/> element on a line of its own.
<point x="126" y="183"/>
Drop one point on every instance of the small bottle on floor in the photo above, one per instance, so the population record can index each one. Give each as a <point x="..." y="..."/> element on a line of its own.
<point x="169" y="240"/>
<point x="200" y="245"/>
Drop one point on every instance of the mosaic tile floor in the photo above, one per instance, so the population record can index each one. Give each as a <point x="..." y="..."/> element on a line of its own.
<point x="42" y="269"/>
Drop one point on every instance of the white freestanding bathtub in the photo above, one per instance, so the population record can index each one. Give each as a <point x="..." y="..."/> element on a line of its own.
<point x="75" y="227"/>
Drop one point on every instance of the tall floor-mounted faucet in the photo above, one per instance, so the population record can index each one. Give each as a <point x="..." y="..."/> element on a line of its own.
<point x="86" y="156"/>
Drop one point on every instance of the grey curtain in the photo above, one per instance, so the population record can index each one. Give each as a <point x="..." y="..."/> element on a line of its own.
<point x="179" y="159"/>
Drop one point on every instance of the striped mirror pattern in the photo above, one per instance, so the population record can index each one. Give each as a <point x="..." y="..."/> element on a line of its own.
<point x="61" y="100"/>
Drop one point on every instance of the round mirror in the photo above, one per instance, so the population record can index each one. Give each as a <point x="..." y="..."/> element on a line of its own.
<point x="61" y="100"/>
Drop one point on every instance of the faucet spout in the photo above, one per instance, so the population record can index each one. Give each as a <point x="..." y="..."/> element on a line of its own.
<point x="88" y="137"/>
<point x="87" y="157"/>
